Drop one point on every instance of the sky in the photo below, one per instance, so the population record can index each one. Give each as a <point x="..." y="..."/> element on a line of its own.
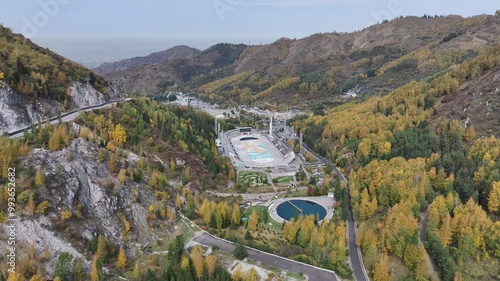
<point x="91" y="31"/>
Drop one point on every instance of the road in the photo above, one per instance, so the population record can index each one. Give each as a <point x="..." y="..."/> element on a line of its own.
<point x="66" y="117"/>
<point x="313" y="273"/>
<point x="355" y="256"/>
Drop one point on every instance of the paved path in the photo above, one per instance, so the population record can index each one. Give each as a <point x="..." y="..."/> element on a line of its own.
<point x="313" y="273"/>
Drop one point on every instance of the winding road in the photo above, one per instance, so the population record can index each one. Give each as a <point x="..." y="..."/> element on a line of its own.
<point x="355" y="256"/>
<point x="313" y="273"/>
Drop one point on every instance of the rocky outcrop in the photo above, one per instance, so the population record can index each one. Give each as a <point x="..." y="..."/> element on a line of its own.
<point x="83" y="95"/>
<point x="76" y="181"/>
<point x="18" y="111"/>
<point x="74" y="177"/>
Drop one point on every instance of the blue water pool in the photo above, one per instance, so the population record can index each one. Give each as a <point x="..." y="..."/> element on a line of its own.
<point x="294" y="208"/>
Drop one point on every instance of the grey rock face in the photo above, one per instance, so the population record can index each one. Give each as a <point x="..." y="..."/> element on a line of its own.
<point x="18" y="111"/>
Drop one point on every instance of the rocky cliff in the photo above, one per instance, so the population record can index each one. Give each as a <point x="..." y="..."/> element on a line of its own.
<point x="18" y="111"/>
<point x="76" y="181"/>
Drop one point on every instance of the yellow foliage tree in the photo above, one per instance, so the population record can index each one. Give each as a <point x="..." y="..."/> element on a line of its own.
<point x="198" y="261"/>
<point x="470" y="134"/>
<point x="172" y="164"/>
<point x="95" y="274"/>
<point x="494" y="198"/>
<point x="121" y="261"/>
<point x="118" y="135"/>
<point x="238" y="273"/>
<point x="65" y="214"/>
<point x="184" y="263"/>
<point x="122" y="176"/>
<point x="252" y="275"/>
<point x="236" y="214"/>
<point x="381" y="270"/>
<point x="39" y="178"/>
<point x="253" y="221"/>
<point x="39" y="277"/>
<point x="101" y="247"/>
<point x="210" y="262"/>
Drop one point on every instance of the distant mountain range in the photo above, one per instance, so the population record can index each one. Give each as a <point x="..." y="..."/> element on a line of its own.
<point x="318" y="68"/>
<point x="178" y="52"/>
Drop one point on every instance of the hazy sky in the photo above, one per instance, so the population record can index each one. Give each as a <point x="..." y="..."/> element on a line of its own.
<point x="114" y="29"/>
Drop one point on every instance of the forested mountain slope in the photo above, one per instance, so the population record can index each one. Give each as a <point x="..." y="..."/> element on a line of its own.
<point x="95" y="197"/>
<point x="321" y="67"/>
<point x="36" y="84"/>
<point x="414" y="152"/>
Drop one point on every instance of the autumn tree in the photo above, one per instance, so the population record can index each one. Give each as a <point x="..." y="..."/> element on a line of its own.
<point x="494" y="198"/>
<point x="236" y="214"/>
<point x="252" y="275"/>
<point x="381" y="270"/>
<point x="184" y="263"/>
<point x="39" y="178"/>
<point x="470" y="134"/>
<point x="121" y="261"/>
<point x="112" y="163"/>
<point x="198" y="260"/>
<point x="118" y="135"/>
<point x="101" y="252"/>
<point x="122" y="176"/>
<point x="96" y="269"/>
<point x="39" y="277"/>
<point x="210" y="263"/>
<point x="253" y="221"/>
<point x="238" y="273"/>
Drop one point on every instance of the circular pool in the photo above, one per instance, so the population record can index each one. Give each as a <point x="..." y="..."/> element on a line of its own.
<point x="293" y="208"/>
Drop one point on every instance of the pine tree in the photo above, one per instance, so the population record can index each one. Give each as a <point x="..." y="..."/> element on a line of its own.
<point x="96" y="269"/>
<point x="381" y="270"/>
<point x="122" y="176"/>
<point x="121" y="261"/>
<point x="494" y="198"/>
<point x="210" y="263"/>
<point x="252" y="275"/>
<point x="39" y="178"/>
<point x="185" y="263"/>
<point x="198" y="261"/>
<point x="112" y="163"/>
<point x="101" y="248"/>
<point x="253" y="221"/>
<point x="236" y="214"/>
<point x="238" y="273"/>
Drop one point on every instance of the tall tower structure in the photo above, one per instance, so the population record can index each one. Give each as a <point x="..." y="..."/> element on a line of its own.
<point x="271" y="126"/>
<point x="301" y="142"/>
